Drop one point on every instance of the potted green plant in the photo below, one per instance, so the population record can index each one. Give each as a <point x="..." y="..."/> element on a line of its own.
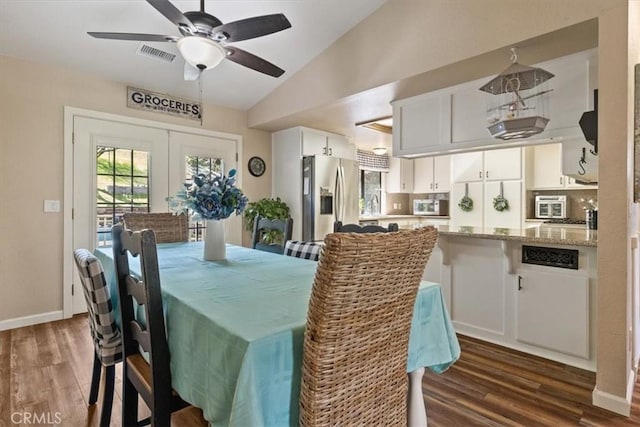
<point x="267" y="208"/>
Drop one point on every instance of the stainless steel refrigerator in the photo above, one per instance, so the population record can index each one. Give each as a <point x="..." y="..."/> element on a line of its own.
<point x="329" y="193"/>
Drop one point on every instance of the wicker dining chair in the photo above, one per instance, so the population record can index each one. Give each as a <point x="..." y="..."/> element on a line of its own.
<point x="339" y="227"/>
<point x="107" y="341"/>
<point x="169" y="228"/>
<point x="148" y="377"/>
<point x="354" y="365"/>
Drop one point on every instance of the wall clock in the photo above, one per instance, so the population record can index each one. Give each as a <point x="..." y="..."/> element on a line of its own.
<point x="256" y="166"/>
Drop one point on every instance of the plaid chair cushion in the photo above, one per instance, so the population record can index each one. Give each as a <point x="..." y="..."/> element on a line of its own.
<point x="306" y="250"/>
<point x="105" y="332"/>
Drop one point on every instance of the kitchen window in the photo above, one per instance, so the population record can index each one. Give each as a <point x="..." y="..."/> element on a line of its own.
<point x="370" y="192"/>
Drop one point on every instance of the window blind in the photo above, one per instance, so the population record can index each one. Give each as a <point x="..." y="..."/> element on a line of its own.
<point x="367" y="160"/>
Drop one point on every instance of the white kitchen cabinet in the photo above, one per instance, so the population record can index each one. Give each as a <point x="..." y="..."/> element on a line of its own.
<point x="478" y="285"/>
<point x="483" y="172"/>
<point x="467" y="167"/>
<point x="421" y="121"/>
<point x="490" y="165"/>
<point x="546" y="168"/>
<point x="400" y="176"/>
<point x="552" y="310"/>
<point x="468" y="121"/>
<point x="432" y="174"/>
<point x="503" y="164"/>
<point x="473" y="218"/>
<point x="510" y="218"/>
<point x="455" y="117"/>
<point x="318" y="143"/>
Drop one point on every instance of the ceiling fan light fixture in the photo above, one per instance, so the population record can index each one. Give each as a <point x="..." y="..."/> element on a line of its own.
<point x="201" y="52"/>
<point x="380" y="151"/>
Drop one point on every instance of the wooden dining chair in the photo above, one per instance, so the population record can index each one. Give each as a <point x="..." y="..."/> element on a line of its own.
<point x="107" y="341"/>
<point x="169" y="228"/>
<point x="262" y="225"/>
<point x="339" y="227"/>
<point x="354" y="365"/>
<point x="148" y="377"/>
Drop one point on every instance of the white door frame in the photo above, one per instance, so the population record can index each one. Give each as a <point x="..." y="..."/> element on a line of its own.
<point x="67" y="243"/>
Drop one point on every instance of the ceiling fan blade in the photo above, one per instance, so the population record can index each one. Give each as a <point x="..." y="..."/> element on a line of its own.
<point x="252" y="61"/>
<point x="190" y="72"/>
<point x="172" y="14"/>
<point x="253" y="27"/>
<point x="135" y="37"/>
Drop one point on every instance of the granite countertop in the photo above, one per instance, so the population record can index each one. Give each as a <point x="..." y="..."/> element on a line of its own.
<point x="570" y="236"/>
<point x="375" y="217"/>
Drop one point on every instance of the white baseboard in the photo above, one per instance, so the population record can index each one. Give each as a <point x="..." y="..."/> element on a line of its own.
<point x="615" y="403"/>
<point x="19" y="322"/>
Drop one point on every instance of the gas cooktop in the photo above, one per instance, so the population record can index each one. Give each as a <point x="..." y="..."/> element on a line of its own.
<point x="565" y="221"/>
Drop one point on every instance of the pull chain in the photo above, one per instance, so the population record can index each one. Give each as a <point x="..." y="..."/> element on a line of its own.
<point x="200" y="95"/>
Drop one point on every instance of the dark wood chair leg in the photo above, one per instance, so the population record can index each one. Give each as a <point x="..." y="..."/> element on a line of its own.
<point x="95" y="379"/>
<point x="107" y="398"/>
<point x="129" y="402"/>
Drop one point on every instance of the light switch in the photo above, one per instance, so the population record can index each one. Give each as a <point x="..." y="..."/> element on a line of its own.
<point x="51" y="206"/>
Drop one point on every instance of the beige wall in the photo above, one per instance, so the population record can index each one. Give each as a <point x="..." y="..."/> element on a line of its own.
<point x="31" y="170"/>
<point x="404" y="38"/>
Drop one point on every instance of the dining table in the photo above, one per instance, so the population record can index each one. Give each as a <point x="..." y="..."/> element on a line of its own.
<point x="235" y="331"/>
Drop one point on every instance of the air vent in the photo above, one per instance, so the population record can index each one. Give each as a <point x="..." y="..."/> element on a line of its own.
<point x="152" y="52"/>
<point x="550" y="257"/>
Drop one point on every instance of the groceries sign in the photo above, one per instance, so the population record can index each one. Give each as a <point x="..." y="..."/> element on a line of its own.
<point x="160" y="103"/>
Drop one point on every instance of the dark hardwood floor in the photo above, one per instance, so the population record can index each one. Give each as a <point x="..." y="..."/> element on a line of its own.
<point x="47" y="369"/>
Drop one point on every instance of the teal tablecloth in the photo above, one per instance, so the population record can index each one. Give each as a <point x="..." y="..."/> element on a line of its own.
<point x="235" y="331"/>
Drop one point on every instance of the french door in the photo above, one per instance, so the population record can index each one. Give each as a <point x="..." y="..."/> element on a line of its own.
<point x="121" y="167"/>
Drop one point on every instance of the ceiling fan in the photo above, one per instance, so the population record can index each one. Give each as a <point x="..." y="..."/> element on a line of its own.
<point x="203" y="44"/>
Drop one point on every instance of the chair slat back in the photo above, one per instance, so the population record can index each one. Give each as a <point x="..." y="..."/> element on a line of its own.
<point x="142" y="294"/>
<point x="283" y="225"/>
<point x="354" y="369"/>
<point x="339" y="227"/>
<point x="169" y="228"/>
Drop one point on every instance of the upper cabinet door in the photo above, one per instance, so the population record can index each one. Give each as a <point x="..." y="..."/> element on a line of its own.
<point x="467" y="167"/>
<point x="503" y="164"/>
<point x="421" y="121"/>
<point x="547" y="166"/>
<point x="313" y="144"/>
<point x="468" y="117"/>
<point x="442" y="174"/>
<point x="340" y="147"/>
<point x="400" y="176"/>
<point x="423" y="175"/>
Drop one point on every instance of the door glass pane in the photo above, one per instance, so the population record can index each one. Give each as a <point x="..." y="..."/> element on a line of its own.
<point x="195" y="165"/>
<point x="122" y="178"/>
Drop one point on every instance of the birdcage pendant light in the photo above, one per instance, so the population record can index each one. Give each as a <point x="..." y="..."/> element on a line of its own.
<point x="519" y="103"/>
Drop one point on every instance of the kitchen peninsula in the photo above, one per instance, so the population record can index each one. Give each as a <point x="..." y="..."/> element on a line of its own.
<point x="531" y="289"/>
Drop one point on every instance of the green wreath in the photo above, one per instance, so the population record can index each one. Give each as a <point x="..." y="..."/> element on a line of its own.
<point x="466" y="204"/>
<point x="499" y="202"/>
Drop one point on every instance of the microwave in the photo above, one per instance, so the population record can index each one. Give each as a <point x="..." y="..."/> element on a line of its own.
<point x="551" y="206"/>
<point x="431" y="207"/>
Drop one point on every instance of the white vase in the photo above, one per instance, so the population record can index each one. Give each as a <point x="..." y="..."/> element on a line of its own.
<point x="214" y="247"/>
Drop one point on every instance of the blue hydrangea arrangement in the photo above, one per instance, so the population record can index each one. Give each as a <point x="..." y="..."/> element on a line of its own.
<point x="210" y="197"/>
